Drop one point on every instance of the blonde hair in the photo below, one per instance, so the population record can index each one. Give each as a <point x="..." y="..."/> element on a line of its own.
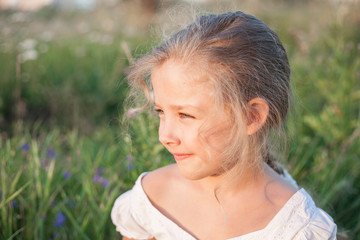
<point x="242" y="58"/>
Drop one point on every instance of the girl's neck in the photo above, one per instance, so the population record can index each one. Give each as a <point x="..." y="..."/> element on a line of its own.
<point x="232" y="183"/>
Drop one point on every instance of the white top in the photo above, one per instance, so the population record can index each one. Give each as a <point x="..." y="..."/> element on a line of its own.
<point x="135" y="217"/>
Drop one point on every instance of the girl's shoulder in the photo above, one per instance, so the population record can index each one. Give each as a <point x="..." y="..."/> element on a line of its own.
<point x="158" y="183"/>
<point x="136" y="212"/>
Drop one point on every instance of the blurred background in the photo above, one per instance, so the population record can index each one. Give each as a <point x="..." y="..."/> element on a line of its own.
<point x="65" y="151"/>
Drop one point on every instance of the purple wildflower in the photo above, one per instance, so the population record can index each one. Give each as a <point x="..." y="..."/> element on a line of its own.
<point x="129" y="160"/>
<point x="25" y="147"/>
<point x="101" y="180"/>
<point x="98" y="178"/>
<point x="72" y="203"/>
<point x="59" y="220"/>
<point x="104" y="182"/>
<point x="14" y="204"/>
<point x="66" y="175"/>
<point x="99" y="171"/>
<point x="51" y="153"/>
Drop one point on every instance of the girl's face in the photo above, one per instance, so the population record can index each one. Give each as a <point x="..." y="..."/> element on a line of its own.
<point x="191" y="127"/>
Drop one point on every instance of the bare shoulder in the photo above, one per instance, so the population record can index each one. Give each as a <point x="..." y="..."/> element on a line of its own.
<point x="279" y="190"/>
<point x="157" y="183"/>
<point x="160" y="177"/>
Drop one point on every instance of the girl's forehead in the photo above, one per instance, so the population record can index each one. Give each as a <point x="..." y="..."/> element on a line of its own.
<point x="174" y="84"/>
<point x="189" y="74"/>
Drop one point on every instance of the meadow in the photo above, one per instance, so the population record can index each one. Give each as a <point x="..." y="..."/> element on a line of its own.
<point x="66" y="151"/>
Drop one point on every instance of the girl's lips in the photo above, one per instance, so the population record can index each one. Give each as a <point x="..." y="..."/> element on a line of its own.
<point x="180" y="157"/>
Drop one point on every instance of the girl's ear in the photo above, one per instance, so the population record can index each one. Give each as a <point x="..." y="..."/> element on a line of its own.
<point x="258" y="113"/>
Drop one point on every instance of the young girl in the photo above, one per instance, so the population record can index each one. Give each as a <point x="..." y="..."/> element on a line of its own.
<point x="219" y="86"/>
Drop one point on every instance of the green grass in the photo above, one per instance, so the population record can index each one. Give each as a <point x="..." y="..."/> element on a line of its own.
<point x="324" y="145"/>
<point x="75" y="83"/>
<point x="63" y="149"/>
<point x="80" y="177"/>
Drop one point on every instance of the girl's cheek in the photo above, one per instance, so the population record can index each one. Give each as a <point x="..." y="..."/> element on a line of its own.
<point x="190" y="135"/>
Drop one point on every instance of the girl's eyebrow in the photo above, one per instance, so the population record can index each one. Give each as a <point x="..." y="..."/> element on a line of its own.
<point x="180" y="107"/>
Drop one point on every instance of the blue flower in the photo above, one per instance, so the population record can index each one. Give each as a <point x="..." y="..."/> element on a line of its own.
<point x="104" y="182"/>
<point x="98" y="178"/>
<point x="51" y="153"/>
<point x="67" y="175"/>
<point x="99" y="171"/>
<point x="14" y="204"/>
<point x="130" y="162"/>
<point x="101" y="180"/>
<point x="59" y="220"/>
<point x="25" y="147"/>
<point x="72" y="203"/>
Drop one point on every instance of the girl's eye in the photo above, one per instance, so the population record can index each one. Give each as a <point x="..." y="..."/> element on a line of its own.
<point x="159" y="111"/>
<point x="184" y="115"/>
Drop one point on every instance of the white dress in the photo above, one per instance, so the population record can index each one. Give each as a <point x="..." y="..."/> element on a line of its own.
<point x="135" y="217"/>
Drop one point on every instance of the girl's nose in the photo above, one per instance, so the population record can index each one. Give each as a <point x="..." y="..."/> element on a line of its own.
<point x="168" y="133"/>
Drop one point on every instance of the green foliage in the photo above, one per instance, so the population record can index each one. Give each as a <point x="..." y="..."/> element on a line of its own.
<point x="75" y="84"/>
<point x="324" y="153"/>
<point x="46" y="173"/>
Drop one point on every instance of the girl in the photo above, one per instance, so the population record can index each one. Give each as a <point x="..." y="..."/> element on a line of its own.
<point x="219" y="86"/>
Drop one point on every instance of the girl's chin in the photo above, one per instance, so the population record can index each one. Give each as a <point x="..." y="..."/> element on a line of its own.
<point x="192" y="173"/>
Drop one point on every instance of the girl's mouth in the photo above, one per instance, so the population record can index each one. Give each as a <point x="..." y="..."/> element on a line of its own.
<point x="181" y="157"/>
